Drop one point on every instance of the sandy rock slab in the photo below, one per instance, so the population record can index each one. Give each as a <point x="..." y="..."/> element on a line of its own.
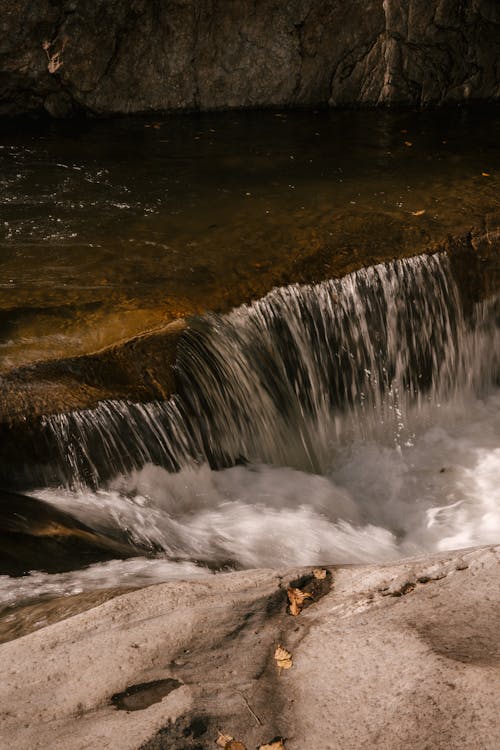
<point x="390" y="656"/>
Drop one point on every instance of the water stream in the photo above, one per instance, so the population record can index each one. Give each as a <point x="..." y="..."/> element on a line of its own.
<point x="357" y="420"/>
<point x="108" y="228"/>
<point x="354" y="420"/>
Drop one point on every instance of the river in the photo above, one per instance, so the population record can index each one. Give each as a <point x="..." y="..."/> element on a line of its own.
<point x="342" y="421"/>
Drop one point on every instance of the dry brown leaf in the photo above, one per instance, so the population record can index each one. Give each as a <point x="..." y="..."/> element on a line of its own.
<point x="283" y="658"/>
<point x="420" y="212"/>
<point x="319" y="574"/>
<point x="296" y="597"/>
<point x="281" y="653"/>
<point x="228" y="742"/>
<point x="276" y="744"/>
<point x="223" y="739"/>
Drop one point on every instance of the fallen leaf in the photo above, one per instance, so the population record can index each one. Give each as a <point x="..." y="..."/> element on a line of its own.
<point x="485" y="174"/>
<point x="319" y="574"/>
<point x="421" y="212"/>
<point x="228" y="742"/>
<point x="296" y="597"/>
<point x="283" y="658"/>
<point x="223" y="739"/>
<point x="408" y="143"/>
<point x="277" y="744"/>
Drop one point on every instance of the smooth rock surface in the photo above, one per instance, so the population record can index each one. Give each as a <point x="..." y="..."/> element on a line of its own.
<point x="111" y="56"/>
<point x="396" y="656"/>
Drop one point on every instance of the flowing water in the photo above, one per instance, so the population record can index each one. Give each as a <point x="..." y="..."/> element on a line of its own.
<point x="354" y="420"/>
<point x="108" y="228"/>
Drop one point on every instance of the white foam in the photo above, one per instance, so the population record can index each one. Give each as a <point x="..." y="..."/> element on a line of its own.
<point x="115" y="573"/>
<point x="377" y="503"/>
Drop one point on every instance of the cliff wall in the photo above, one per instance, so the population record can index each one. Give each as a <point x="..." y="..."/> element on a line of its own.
<point x="128" y="56"/>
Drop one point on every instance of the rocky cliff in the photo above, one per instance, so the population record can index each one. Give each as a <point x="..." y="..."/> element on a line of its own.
<point x="112" y="56"/>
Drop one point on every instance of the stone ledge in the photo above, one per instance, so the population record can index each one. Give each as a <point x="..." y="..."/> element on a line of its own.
<point x="141" y="369"/>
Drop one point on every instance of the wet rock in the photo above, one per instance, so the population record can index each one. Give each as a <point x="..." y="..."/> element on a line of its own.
<point x="24" y="618"/>
<point x="121" y="57"/>
<point x="140" y="368"/>
<point x="37" y="535"/>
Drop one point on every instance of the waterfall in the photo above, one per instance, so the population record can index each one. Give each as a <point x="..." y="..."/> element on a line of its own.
<point x="289" y="378"/>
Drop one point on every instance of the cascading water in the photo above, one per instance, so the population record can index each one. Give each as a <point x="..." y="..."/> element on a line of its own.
<point x="354" y="420"/>
<point x="287" y="378"/>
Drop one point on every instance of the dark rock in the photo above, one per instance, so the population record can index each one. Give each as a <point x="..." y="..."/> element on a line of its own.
<point x="37" y="535"/>
<point x="111" y="56"/>
<point x="139" y="697"/>
<point x="58" y="105"/>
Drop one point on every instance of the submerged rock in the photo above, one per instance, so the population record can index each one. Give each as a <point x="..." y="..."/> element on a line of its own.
<point x="391" y="656"/>
<point x="121" y="57"/>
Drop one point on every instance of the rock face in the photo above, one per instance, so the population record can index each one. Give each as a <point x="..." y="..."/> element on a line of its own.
<point x="403" y="655"/>
<point x="112" y="56"/>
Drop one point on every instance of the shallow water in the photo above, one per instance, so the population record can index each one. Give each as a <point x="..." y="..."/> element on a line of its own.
<point x="108" y="228"/>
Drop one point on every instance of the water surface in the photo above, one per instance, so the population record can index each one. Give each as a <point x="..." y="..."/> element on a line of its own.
<point x="342" y="421"/>
<point x="111" y="228"/>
